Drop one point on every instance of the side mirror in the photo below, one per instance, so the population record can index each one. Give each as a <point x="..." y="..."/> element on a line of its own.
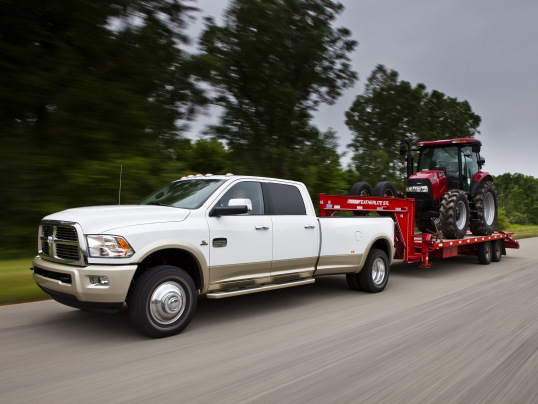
<point x="403" y="150"/>
<point x="481" y="161"/>
<point x="235" y="207"/>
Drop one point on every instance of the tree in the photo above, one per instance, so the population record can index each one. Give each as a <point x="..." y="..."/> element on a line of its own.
<point x="85" y="85"/>
<point x="271" y="63"/>
<point x="390" y="112"/>
<point x="518" y="196"/>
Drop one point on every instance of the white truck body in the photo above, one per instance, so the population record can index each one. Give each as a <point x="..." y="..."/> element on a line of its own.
<point x="276" y="243"/>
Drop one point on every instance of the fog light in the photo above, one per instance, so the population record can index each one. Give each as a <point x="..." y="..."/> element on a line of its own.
<point x="99" y="280"/>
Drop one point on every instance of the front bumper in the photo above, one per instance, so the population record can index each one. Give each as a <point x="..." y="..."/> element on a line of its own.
<point x="71" y="285"/>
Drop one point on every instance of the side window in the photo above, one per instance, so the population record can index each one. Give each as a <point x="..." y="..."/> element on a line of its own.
<point x="246" y="190"/>
<point x="285" y="199"/>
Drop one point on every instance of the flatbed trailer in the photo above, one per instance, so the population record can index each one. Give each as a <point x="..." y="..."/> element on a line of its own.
<point x="419" y="247"/>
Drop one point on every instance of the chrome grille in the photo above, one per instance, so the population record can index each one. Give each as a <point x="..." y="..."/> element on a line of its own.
<point x="59" y="242"/>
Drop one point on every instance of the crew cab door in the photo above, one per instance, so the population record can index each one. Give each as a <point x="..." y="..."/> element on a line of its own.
<point x="296" y="233"/>
<point x="240" y="245"/>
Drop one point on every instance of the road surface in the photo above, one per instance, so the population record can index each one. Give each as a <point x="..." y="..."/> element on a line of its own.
<point x="459" y="332"/>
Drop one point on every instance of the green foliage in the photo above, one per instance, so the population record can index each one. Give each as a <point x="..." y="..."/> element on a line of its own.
<point x="271" y="63"/>
<point x="518" y="196"/>
<point x="391" y="112"/>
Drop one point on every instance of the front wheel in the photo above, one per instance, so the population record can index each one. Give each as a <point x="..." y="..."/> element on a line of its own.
<point x="163" y="301"/>
<point x="484" y="253"/>
<point x="374" y="275"/>
<point x="454" y="214"/>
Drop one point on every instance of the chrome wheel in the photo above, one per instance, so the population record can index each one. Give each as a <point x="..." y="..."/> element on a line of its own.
<point x="167" y="302"/>
<point x="378" y="271"/>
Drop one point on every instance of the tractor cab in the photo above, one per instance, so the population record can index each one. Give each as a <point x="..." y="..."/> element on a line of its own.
<point x="459" y="159"/>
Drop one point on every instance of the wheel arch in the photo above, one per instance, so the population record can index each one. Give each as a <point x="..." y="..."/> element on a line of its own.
<point x="478" y="179"/>
<point x="183" y="255"/>
<point x="380" y="243"/>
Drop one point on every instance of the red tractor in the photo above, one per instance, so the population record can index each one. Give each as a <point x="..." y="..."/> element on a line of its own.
<point x="450" y="190"/>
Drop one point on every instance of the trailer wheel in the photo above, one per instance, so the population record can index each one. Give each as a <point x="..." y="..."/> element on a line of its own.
<point x="360" y="189"/>
<point x="484" y="253"/>
<point x="497" y="250"/>
<point x="485" y="203"/>
<point x="454" y="214"/>
<point x="385" y="189"/>
<point x="374" y="275"/>
<point x="163" y="301"/>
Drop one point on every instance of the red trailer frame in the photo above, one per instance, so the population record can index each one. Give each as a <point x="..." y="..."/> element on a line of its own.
<point x="409" y="246"/>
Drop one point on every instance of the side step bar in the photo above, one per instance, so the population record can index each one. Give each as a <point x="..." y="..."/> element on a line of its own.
<point x="255" y="289"/>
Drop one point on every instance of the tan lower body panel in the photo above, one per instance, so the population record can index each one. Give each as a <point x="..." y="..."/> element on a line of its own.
<point x="338" y="264"/>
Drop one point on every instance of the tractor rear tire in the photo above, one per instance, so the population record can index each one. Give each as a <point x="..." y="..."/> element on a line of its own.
<point x="360" y="189"/>
<point x="485" y="203"/>
<point x="385" y="189"/>
<point x="454" y="214"/>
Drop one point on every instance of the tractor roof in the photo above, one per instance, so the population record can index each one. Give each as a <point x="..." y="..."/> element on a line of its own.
<point x="434" y="143"/>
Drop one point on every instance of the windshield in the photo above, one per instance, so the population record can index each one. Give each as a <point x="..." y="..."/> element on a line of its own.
<point x="186" y="194"/>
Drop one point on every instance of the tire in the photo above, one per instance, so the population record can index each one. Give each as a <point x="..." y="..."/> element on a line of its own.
<point x="485" y="253"/>
<point x="454" y="214"/>
<point x="360" y="189"/>
<point x="174" y="298"/>
<point x="385" y="189"/>
<point x="496" y="250"/>
<point x="485" y="203"/>
<point x="374" y="276"/>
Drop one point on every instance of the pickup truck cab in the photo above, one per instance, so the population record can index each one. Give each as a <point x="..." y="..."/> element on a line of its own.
<point x="214" y="235"/>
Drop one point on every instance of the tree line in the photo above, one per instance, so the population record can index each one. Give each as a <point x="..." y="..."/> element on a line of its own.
<point x="91" y="89"/>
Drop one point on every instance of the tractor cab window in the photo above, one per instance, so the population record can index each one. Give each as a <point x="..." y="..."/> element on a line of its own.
<point x="441" y="158"/>
<point x="469" y="166"/>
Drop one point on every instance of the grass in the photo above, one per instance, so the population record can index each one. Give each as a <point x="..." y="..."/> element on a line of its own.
<point x="17" y="285"/>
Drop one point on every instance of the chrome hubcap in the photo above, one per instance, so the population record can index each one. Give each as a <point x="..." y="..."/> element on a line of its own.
<point x="378" y="271"/>
<point x="167" y="302"/>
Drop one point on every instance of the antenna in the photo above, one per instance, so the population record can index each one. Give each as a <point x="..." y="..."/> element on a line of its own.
<point x="119" y="192"/>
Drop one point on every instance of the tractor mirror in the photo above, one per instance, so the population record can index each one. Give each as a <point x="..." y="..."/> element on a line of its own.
<point x="403" y="150"/>
<point x="476" y="148"/>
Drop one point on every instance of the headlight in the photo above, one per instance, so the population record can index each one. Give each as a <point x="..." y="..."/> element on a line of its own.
<point x="100" y="245"/>
<point x="417" y="188"/>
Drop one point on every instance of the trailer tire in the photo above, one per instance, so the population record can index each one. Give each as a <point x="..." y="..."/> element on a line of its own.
<point x="496" y="250"/>
<point x="385" y="189"/>
<point x="485" y="204"/>
<point x="485" y="253"/>
<point x="454" y="214"/>
<point x="374" y="275"/>
<point x="163" y="301"/>
<point x="360" y="189"/>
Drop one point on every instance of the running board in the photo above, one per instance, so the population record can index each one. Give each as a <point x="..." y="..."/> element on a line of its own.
<point x="256" y="289"/>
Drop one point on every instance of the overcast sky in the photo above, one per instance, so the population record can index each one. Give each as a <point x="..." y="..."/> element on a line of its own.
<point x="482" y="51"/>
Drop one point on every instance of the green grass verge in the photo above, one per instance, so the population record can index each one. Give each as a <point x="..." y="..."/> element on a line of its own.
<point x="16" y="283"/>
<point x="523" y="231"/>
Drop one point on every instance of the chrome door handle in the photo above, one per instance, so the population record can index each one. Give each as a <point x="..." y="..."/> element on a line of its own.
<point x="309" y="226"/>
<point x="262" y="227"/>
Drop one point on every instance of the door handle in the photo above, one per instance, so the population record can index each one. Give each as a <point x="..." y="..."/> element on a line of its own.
<point x="309" y="226"/>
<point x="262" y="227"/>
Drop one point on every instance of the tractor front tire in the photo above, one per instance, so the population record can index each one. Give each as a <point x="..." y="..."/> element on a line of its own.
<point x="454" y="214"/>
<point x="485" y="203"/>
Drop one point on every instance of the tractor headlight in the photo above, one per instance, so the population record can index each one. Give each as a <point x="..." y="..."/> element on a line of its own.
<point x="102" y="245"/>
<point x="417" y="188"/>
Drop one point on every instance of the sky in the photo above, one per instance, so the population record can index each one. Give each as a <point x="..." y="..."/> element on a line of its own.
<point x="482" y="51"/>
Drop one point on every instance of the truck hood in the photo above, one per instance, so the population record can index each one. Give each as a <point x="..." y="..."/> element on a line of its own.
<point x="101" y="219"/>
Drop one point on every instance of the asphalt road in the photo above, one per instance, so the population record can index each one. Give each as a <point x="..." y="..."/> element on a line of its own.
<point x="459" y="332"/>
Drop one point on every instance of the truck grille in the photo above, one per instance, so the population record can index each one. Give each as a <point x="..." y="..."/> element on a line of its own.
<point x="59" y="242"/>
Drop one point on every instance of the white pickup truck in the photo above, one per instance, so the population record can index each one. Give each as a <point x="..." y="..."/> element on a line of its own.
<point x="214" y="235"/>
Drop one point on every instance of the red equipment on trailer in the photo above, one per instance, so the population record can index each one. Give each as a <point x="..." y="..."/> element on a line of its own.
<point x="411" y="247"/>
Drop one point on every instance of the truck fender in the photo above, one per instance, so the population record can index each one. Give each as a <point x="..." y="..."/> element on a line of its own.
<point x="381" y="243"/>
<point x="192" y="249"/>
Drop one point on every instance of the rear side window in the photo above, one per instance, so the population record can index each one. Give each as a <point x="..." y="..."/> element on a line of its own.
<point x="285" y="199"/>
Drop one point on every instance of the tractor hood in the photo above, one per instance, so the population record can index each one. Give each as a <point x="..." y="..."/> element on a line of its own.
<point x="102" y="219"/>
